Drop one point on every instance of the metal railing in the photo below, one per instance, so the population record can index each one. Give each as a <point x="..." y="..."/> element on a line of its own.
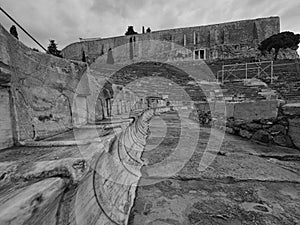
<point x="245" y="71"/>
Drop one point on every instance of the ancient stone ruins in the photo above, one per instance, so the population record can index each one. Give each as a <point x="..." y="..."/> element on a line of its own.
<point x="181" y="126"/>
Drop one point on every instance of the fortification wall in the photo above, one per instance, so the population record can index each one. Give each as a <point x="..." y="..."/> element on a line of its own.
<point x="226" y="40"/>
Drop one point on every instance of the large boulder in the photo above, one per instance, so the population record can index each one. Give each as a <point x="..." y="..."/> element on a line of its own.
<point x="292" y="109"/>
<point x="283" y="140"/>
<point x="278" y="129"/>
<point x="245" y="134"/>
<point x="262" y="136"/>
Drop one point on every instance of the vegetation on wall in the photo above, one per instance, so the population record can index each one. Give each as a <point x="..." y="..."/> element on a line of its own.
<point x="279" y="41"/>
<point x="13" y="31"/>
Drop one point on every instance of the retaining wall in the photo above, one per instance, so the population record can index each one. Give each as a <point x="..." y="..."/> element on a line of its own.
<point x="47" y="95"/>
<point x="268" y="122"/>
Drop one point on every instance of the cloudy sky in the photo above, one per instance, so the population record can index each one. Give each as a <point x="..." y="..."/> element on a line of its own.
<point x="67" y="20"/>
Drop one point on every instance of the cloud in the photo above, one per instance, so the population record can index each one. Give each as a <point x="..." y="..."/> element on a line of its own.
<point x="67" y="20"/>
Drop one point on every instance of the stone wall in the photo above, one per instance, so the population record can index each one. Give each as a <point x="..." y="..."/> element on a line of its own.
<point x="49" y="95"/>
<point x="226" y="40"/>
<point x="268" y="122"/>
<point x="292" y="113"/>
<point x="268" y="131"/>
<point x="42" y="89"/>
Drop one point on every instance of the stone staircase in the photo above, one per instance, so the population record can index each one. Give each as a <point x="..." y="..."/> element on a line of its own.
<point x="148" y="78"/>
<point x="239" y="89"/>
<point x="286" y="81"/>
<point x="180" y="80"/>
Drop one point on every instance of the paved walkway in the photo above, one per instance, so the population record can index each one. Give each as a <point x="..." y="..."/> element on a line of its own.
<point x="246" y="183"/>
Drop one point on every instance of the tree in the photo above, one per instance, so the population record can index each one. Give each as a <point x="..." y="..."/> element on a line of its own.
<point x="130" y="31"/>
<point x="110" y="57"/>
<point x="52" y="49"/>
<point x="148" y="30"/>
<point x="83" y="59"/>
<point x="279" y="41"/>
<point x="13" y="31"/>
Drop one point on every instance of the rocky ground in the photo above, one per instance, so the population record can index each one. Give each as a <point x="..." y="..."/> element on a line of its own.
<point x="193" y="175"/>
<point x="245" y="183"/>
<point x="38" y="183"/>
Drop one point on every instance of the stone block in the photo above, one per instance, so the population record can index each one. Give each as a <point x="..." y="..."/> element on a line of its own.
<point x="292" y="109"/>
<point x="252" y="126"/>
<point x="249" y="111"/>
<point x="283" y="140"/>
<point x="294" y="131"/>
<point x="283" y="120"/>
<point x="245" y="134"/>
<point x="230" y="130"/>
<point x="229" y="110"/>
<point x="278" y="129"/>
<point x="262" y="136"/>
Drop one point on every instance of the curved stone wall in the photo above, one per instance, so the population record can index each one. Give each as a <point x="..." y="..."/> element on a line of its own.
<point x="107" y="193"/>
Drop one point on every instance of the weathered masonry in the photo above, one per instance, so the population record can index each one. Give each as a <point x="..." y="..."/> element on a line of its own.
<point x="219" y="41"/>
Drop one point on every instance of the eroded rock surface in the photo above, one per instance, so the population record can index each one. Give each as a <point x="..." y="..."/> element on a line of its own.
<point x="247" y="183"/>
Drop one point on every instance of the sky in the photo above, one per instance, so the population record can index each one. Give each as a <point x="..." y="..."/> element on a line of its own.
<point x="66" y="21"/>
